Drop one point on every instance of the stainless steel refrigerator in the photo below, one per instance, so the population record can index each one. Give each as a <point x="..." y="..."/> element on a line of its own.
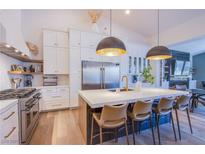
<point x="100" y="75"/>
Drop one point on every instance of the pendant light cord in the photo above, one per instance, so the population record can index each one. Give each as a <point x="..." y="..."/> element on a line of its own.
<point x="110" y="22"/>
<point x="158" y="27"/>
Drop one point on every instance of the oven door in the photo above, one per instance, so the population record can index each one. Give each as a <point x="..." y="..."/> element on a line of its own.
<point x="29" y="117"/>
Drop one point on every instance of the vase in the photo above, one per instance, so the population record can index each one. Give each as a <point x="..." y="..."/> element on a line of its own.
<point x="138" y="86"/>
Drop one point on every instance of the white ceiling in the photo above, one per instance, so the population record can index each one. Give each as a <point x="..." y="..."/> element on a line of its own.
<point x="145" y="21"/>
<point x="194" y="46"/>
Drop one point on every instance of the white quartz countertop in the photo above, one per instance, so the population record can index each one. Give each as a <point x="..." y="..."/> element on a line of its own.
<point x="99" y="98"/>
<point x="42" y="87"/>
<point x="5" y="104"/>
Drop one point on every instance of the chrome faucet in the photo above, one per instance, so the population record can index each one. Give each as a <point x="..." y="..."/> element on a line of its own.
<point x="126" y="78"/>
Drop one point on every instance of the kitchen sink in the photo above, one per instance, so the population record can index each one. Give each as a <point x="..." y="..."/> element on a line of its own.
<point x="121" y="90"/>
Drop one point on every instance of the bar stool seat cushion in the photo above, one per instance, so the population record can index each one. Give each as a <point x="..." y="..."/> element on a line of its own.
<point x="162" y="111"/>
<point x="139" y="117"/>
<point x="108" y="124"/>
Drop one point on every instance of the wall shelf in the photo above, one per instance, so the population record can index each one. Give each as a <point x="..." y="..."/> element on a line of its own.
<point x="23" y="73"/>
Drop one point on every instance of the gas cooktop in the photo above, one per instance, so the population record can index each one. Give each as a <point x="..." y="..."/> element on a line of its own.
<point x="16" y="93"/>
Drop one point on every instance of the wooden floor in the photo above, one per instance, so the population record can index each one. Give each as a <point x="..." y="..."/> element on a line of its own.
<point x="60" y="127"/>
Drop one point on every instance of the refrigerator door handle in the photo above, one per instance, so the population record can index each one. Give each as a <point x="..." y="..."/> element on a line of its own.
<point x="103" y="78"/>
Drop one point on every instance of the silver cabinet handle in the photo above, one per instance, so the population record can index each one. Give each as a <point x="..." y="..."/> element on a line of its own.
<point x="9" y="134"/>
<point x="12" y="113"/>
<point x="56" y="96"/>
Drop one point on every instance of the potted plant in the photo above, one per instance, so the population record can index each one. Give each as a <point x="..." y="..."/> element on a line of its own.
<point x="147" y="76"/>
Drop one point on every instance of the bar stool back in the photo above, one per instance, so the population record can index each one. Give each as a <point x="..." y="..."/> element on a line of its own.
<point x="182" y="103"/>
<point x="111" y="117"/>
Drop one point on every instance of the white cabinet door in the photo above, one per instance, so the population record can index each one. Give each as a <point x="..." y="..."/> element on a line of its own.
<point x="62" y="61"/>
<point x="75" y="86"/>
<point x="9" y="126"/>
<point x="90" y="40"/>
<point x="75" y="60"/>
<point x="89" y="54"/>
<point x="49" y="57"/>
<point x="62" y="39"/>
<point x="49" y="38"/>
<point x="74" y="38"/>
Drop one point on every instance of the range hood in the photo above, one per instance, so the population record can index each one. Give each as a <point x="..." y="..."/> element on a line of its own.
<point x="12" y="42"/>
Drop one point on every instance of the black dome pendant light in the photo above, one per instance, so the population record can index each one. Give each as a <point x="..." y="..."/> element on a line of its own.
<point x="158" y="52"/>
<point x="111" y="46"/>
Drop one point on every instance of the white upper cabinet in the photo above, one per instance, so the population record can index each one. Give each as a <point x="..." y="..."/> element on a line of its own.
<point x="74" y="38"/>
<point x="49" y="58"/>
<point x="75" y="60"/>
<point x="90" y="54"/>
<point x="62" y="58"/>
<point x="90" y="40"/>
<point x="50" y="38"/>
<point x="56" y="56"/>
<point x="62" y="39"/>
<point x="55" y="39"/>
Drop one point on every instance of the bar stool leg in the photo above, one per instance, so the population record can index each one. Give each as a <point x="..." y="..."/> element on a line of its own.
<point x="91" y="137"/>
<point x="173" y="126"/>
<point x="158" y="132"/>
<point x="152" y="129"/>
<point x="178" y="124"/>
<point x="187" y="110"/>
<point x="126" y="131"/>
<point x="116" y="135"/>
<point x="133" y="130"/>
<point x="101" y="140"/>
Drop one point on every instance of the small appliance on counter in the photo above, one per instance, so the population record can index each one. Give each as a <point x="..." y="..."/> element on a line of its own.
<point x="50" y="80"/>
<point x="16" y="82"/>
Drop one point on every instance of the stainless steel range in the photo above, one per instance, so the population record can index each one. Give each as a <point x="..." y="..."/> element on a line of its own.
<point x="28" y="109"/>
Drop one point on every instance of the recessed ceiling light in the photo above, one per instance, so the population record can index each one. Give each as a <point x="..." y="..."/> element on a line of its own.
<point x="127" y="11"/>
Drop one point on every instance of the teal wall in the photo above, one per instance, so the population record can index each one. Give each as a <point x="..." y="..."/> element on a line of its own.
<point x="199" y="65"/>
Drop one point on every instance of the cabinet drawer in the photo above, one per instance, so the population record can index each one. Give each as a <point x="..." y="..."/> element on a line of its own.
<point x="10" y="115"/>
<point x="63" y="92"/>
<point x="9" y="126"/>
<point x="55" y="105"/>
<point x="10" y="136"/>
<point x="49" y="92"/>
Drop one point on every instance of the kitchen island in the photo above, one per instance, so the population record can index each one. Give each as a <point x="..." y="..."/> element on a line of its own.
<point x="93" y="101"/>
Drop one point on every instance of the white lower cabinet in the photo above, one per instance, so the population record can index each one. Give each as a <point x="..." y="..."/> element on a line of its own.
<point x="9" y="125"/>
<point x="54" y="98"/>
<point x="75" y="86"/>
